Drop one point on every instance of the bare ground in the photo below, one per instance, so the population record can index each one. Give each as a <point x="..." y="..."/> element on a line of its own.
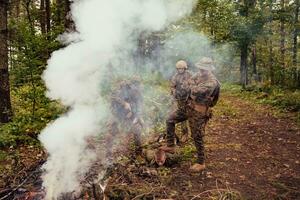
<point x="252" y="153"/>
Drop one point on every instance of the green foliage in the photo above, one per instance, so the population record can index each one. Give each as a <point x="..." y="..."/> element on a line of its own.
<point x="29" y="52"/>
<point x="226" y="110"/>
<point x="32" y="111"/>
<point x="214" y="18"/>
<point x="289" y="100"/>
<point x="249" y="24"/>
<point x="188" y="152"/>
<point x="267" y="94"/>
<point x="224" y="21"/>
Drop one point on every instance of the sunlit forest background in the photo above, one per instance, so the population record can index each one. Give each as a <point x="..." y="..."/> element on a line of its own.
<point x="262" y="36"/>
<point x="252" y="140"/>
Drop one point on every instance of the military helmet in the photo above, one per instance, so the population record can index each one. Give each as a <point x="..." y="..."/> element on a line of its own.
<point x="181" y="64"/>
<point x="205" y="63"/>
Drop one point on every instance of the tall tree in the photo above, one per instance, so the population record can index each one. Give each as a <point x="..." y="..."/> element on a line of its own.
<point x="296" y="32"/>
<point x="5" y="104"/>
<point x="60" y="9"/>
<point x="69" y="24"/>
<point x="48" y="15"/>
<point x="244" y="32"/>
<point x="271" y="61"/>
<point x="30" y="19"/>
<point x="42" y="16"/>
<point x="269" y="40"/>
<point x="254" y="61"/>
<point x="244" y="64"/>
<point x="282" y="33"/>
<point x="18" y="2"/>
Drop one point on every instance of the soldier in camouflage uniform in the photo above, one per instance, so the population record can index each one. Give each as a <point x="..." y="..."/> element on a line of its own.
<point x="126" y="111"/>
<point x="204" y="88"/>
<point x="180" y="93"/>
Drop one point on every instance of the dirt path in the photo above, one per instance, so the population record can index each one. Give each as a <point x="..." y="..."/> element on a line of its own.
<point x="251" y="154"/>
<point x="252" y="151"/>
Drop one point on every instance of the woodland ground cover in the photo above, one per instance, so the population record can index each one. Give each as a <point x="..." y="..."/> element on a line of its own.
<point x="244" y="160"/>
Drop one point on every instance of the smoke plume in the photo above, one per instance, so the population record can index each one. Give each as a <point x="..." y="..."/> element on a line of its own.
<point x="106" y="34"/>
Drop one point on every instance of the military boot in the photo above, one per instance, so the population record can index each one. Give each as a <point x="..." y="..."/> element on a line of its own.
<point x="197" y="167"/>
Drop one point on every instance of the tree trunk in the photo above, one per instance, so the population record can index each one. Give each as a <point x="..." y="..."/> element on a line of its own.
<point x="282" y="35"/>
<point x="60" y="8"/>
<point x="243" y="66"/>
<point x="247" y="6"/>
<point x="30" y="20"/>
<point x="271" y="54"/>
<point x="42" y="16"/>
<point x="18" y="9"/>
<point x="68" y="19"/>
<point x="254" y="63"/>
<point x="5" y="104"/>
<point x="296" y="32"/>
<point x="271" y="63"/>
<point x="48" y="16"/>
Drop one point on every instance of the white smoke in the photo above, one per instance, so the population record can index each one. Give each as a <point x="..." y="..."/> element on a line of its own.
<point x="185" y="44"/>
<point x="107" y="33"/>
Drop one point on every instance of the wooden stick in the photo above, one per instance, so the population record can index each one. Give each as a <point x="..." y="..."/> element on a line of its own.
<point x="209" y="191"/>
<point x="142" y="194"/>
<point x="20" y="185"/>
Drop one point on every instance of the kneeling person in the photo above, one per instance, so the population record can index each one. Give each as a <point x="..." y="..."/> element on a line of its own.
<point x="126" y="112"/>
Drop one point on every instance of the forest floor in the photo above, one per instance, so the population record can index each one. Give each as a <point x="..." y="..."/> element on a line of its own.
<point x="252" y="150"/>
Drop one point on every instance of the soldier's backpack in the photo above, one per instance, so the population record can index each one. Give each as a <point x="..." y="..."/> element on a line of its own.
<point x="215" y="95"/>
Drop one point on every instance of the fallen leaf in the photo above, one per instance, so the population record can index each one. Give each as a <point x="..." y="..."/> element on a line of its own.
<point x="286" y="165"/>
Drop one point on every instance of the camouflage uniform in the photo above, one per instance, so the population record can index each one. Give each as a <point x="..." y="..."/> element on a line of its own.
<point x="127" y="120"/>
<point x="179" y="84"/>
<point x="197" y="112"/>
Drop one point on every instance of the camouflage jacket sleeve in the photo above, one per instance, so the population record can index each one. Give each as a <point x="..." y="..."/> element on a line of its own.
<point x="205" y="88"/>
<point x="187" y="81"/>
<point x="173" y="84"/>
<point x="115" y="97"/>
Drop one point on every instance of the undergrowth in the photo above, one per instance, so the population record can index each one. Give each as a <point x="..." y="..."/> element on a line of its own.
<point x="284" y="99"/>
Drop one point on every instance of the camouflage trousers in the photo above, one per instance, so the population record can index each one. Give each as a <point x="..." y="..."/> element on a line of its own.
<point x="127" y="127"/>
<point x="197" y="122"/>
<point x="183" y="125"/>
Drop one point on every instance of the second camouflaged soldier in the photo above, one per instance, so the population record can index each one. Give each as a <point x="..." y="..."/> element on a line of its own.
<point x="204" y="92"/>
<point x="126" y="112"/>
<point x="180" y="92"/>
